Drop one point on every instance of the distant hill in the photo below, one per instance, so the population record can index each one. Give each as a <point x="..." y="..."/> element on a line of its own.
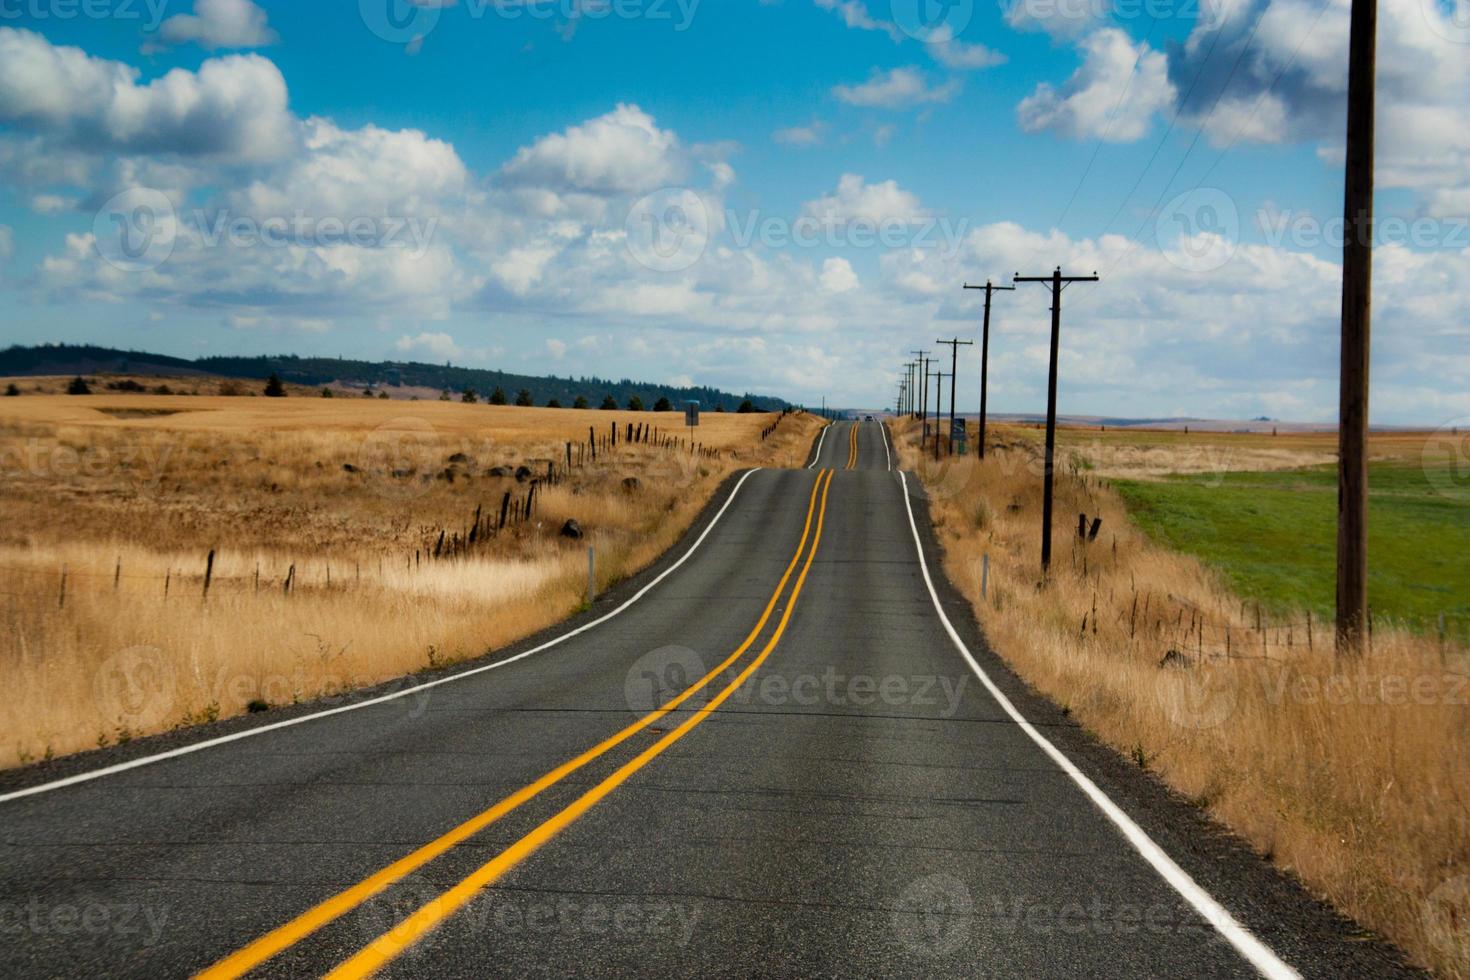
<point x="64" y="359"/>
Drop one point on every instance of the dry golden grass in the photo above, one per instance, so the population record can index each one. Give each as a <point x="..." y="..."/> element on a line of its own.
<point x="128" y="493"/>
<point x="1355" y="776"/>
<point x="1141" y="454"/>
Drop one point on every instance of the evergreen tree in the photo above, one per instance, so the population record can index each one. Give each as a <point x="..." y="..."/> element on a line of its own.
<point x="523" y="398"/>
<point x="609" y="403"/>
<point x="553" y="403"/>
<point x="746" y="408"/>
<point x="581" y="402"/>
<point x="273" y="387"/>
<point x="79" y="386"/>
<point x="469" y="397"/>
<point x="662" y="405"/>
<point x="497" y="397"/>
<point x="11" y="391"/>
<point x="327" y="393"/>
<point x="635" y="404"/>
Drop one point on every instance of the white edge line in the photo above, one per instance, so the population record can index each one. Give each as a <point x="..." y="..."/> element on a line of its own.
<point x="820" y="439"/>
<point x="1245" y="943"/>
<point x="251" y="732"/>
<point x="886" y="455"/>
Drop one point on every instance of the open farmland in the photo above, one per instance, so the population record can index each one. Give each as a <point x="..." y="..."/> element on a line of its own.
<point x="324" y="516"/>
<point x="1262" y="510"/>
<point x="1184" y="636"/>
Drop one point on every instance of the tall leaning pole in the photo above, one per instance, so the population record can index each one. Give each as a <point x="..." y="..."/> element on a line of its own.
<point x="1357" y="297"/>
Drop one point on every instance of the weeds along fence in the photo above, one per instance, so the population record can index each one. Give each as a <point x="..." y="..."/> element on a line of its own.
<point x="1186" y="628"/>
<point x="56" y="584"/>
<point x="1175" y="628"/>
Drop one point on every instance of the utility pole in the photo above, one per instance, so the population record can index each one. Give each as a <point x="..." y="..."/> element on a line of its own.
<point x="938" y="377"/>
<point x="954" y="367"/>
<point x="1357" y="297"/>
<point x="1057" y="282"/>
<point x="989" y="288"/>
<point x="923" y="379"/>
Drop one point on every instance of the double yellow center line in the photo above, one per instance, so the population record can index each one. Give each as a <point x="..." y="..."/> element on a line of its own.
<point x="852" y="448"/>
<point x="426" y="918"/>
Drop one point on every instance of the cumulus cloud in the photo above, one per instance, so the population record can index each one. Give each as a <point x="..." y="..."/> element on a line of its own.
<point x="809" y="135"/>
<point x="1275" y="74"/>
<point x="368" y="171"/>
<point x="620" y="152"/>
<point x="899" y="88"/>
<point x="857" y="200"/>
<point x="219" y="24"/>
<point x="231" y="107"/>
<point x="1113" y="95"/>
<point x="1060" y="19"/>
<point x="854" y="14"/>
<point x="959" y="55"/>
<point x="436" y="344"/>
<point x="838" y="276"/>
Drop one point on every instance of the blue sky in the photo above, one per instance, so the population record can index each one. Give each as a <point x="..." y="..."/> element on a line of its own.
<point x="526" y="147"/>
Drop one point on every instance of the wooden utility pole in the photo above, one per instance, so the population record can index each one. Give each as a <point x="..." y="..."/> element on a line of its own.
<point x="938" y="377"/>
<point x="954" y="367"/>
<point x="989" y="288"/>
<point x="923" y="380"/>
<point x="1057" y="282"/>
<point x="1357" y="296"/>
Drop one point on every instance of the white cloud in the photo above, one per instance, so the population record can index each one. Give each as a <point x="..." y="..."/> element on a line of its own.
<point x="809" y="135"/>
<point x="51" y="203"/>
<point x="959" y="55"/>
<point x="1290" y="87"/>
<point x="900" y="88"/>
<point x="1113" y="95"/>
<point x="362" y="172"/>
<point x="556" y="348"/>
<point x="838" y="277"/>
<point x="1057" y="18"/>
<point x="623" y="151"/>
<point x="857" y="200"/>
<point x="854" y="14"/>
<point x="436" y="344"/>
<point x="219" y="24"/>
<point x="232" y="107"/>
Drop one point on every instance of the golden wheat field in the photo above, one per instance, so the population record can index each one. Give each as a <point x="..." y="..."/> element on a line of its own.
<point x="1354" y="775"/>
<point x="353" y="541"/>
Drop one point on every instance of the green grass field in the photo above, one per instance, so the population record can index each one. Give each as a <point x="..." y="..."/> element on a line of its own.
<point x="1273" y="535"/>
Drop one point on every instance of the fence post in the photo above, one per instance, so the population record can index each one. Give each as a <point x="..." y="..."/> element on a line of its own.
<point x="61" y="597"/>
<point x="985" y="575"/>
<point x="209" y="572"/>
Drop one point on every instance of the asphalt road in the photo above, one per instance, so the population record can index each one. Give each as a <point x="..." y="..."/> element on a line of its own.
<point x="839" y="792"/>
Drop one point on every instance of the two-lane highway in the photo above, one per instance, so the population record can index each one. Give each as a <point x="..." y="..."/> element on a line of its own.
<point x="783" y="751"/>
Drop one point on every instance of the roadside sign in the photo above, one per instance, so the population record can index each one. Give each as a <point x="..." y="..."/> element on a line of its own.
<point x="691" y="414"/>
<point x="957" y="431"/>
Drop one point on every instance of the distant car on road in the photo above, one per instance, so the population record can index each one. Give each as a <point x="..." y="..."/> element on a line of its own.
<point x="867" y="418"/>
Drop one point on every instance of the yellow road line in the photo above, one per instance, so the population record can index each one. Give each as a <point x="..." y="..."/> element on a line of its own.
<point x="273" y="942"/>
<point x="388" y="946"/>
<point x="852" y="449"/>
